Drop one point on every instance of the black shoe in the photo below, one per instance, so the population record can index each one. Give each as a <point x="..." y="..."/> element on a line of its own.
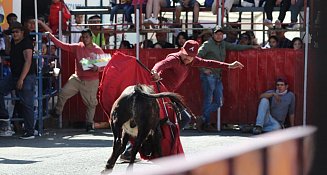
<point x="89" y="127"/>
<point x="27" y="136"/>
<point x="246" y="128"/>
<point x="257" y="130"/>
<point x="54" y="114"/>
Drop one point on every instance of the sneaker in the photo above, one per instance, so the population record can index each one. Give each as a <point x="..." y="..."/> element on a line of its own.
<point x="7" y="133"/>
<point x="154" y="20"/>
<point x="292" y="26"/>
<point x="246" y="128"/>
<point x="27" y="136"/>
<point x="278" y="24"/>
<point x="257" y="130"/>
<point x="89" y="127"/>
<point x="268" y="23"/>
<point x="54" y="114"/>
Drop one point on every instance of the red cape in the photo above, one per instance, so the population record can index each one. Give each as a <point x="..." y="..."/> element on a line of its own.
<point x="124" y="70"/>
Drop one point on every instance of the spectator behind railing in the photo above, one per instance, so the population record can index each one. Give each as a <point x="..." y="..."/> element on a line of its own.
<point x="125" y="5"/>
<point x="162" y="39"/>
<point x="181" y="39"/>
<point x="147" y="44"/>
<point x="77" y="29"/>
<point x="124" y="44"/>
<point x="182" y="5"/>
<point x="297" y="43"/>
<point x="11" y="17"/>
<point x="296" y="6"/>
<point x="53" y="19"/>
<point x="245" y="39"/>
<point x="269" y="7"/>
<point x="98" y="37"/>
<point x="153" y="9"/>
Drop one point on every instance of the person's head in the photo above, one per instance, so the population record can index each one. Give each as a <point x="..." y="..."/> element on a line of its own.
<point x="53" y="48"/>
<point x="17" y="31"/>
<point x="272" y="32"/>
<point x="231" y="34"/>
<point x="55" y="1"/>
<point x="273" y="42"/>
<point x="281" y="84"/>
<point x="297" y="43"/>
<point x="87" y="37"/>
<point x="205" y="35"/>
<point x="245" y="39"/>
<point x="11" y="17"/>
<point x="124" y="44"/>
<point x="147" y="44"/>
<point x="252" y="37"/>
<point x="161" y="37"/>
<point x="95" y="19"/>
<point x="189" y="51"/>
<point x="79" y="19"/>
<point x="29" y="23"/>
<point x="157" y="46"/>
<point x="218" y="33"/>
<point x="181" y="39"/>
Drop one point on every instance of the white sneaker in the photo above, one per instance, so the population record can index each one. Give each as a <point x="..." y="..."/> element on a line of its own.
<point x="268" y="23"/>
<point x="154" y="20"/>
<point x="7" y="133"/>
<point x="146" y="20"/>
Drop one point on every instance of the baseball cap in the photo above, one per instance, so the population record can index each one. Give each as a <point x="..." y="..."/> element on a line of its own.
<point x="190" y="48"/>
<point x="217" y="28"/>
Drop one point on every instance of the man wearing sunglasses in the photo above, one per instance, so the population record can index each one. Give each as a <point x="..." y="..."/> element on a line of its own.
<point x="22" y="79"/>
<point x="274" y="107"/>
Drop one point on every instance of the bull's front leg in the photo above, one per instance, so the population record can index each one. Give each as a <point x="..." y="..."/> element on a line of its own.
<point x="116" y="147"/>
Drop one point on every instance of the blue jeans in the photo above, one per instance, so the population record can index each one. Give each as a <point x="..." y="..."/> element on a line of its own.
<point x="295" y="9"/>
<point x="264" y="118"/>
<point x="128" y="10"/>
<point x="26" y="97"/>
<point x="213" y="92"/>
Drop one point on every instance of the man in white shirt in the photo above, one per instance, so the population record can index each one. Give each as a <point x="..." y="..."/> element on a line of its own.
<point x="77" y="29"/>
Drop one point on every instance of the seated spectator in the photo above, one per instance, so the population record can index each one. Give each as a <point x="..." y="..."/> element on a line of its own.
<point x="147" y="44"/>
<point x="124" y="44"/>
<point x="274" y="107"/>
<point x="245" y="39"/>
<point x="153" y="9"/>
<point x="213" y="4"/>
<point x="162" y="39"/>
<point x="205" y="35"/>
<point x="273" y="42"/>
<point x="283" y="41"/>
<point x="77" y="29"/>
<point x="297" y="43"/>
<point x="253" y="39"/>
<point x="181" y="39"/>
<point x="98" y="37"/>
<point x="253" y="3"/>
<point x="125" y="5"/>
<point x="186" y="4"/>
<point x="270" y="32"/>
<point x="157" y="46"/>
<point x="53" y="20"/>
<point x="296" y="6"/>
<point x="231" y="35"/>
<point x="269" y="7"/>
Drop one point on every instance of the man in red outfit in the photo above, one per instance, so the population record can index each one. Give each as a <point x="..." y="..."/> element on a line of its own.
<point x="55" y="7"/>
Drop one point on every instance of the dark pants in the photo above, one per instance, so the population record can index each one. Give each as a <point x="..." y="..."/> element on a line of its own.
<point x="26" y="97"/>
<point x="284" y="6"/>
<point x="128" y="10"/>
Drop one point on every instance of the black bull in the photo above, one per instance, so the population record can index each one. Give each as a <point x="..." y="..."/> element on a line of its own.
<point x="136" y="114"/>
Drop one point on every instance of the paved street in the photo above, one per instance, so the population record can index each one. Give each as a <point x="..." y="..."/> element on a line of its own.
<point x="72" y="151"/>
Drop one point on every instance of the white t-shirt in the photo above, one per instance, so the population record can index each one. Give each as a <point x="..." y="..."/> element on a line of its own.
<point x="76" y="36"/>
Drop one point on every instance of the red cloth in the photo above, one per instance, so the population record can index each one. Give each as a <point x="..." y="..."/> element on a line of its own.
<point x="54" y="16"/>
<point x="122" y="71"/>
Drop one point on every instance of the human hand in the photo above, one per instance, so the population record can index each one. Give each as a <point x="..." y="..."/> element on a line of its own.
<point x="94" y="68"/>
<point x="19" y="84"/>
<point x="235" y="65"/>
<point x="155" y="76"/>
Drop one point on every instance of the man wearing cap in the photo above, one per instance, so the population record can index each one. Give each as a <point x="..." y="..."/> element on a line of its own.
<point x="176" y="66"/>
<point x="22" y="79"/>
<point x="214" y="49"/>
<point x="85" y="82"/>
<point x="274" y="107"/>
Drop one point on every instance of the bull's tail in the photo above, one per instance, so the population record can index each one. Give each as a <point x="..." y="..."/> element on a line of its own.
<point x="174" y="97"/>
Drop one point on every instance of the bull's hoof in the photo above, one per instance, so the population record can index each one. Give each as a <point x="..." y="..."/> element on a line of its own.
<point x="106" y="171"/>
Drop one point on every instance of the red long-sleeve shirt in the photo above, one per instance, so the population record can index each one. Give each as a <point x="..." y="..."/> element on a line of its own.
<point x="54" y="16"/>
<point x="80" y="52"/>
<point x="174" y="71"/>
